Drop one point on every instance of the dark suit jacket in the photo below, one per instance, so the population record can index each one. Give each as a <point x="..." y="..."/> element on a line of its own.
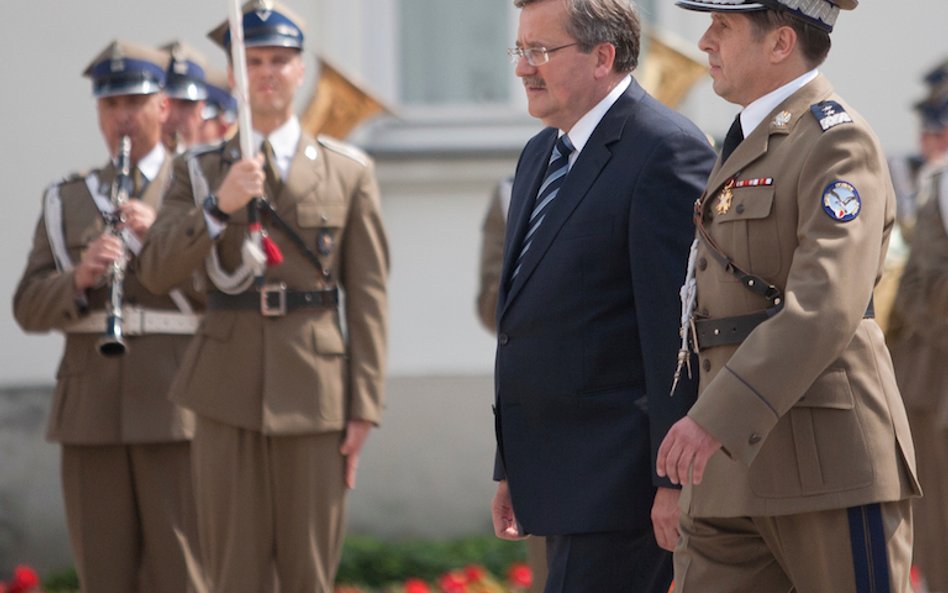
<point x="588" y="331"/>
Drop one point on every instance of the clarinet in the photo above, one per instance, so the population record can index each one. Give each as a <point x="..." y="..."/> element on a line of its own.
<point x="112" y="342"/>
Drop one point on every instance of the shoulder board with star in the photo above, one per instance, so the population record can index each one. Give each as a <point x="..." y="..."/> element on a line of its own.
<point x="344" y="149"/>
<point x="830" y="114"/>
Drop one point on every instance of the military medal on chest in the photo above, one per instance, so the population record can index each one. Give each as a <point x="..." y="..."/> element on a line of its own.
<point x="725" y="198"/>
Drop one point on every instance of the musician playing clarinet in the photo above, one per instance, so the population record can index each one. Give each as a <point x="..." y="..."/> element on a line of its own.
<point x="125" y="447"/>
<point x="284" y="398"/>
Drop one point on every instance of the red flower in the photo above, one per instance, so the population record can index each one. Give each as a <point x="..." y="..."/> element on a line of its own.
<point x="520" y="575"/>
<point x="453" y="582"/>
<point x="474" y="573"/>
<point x="24" y="580"/>
<point x="416" y="586"/>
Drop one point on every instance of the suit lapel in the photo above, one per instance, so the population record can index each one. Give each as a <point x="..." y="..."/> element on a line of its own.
<point x="523" y="195"/>
<point x="595" y="156"/>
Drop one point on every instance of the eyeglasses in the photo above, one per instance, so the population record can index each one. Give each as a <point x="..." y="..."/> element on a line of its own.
<point x="536" y="56"/>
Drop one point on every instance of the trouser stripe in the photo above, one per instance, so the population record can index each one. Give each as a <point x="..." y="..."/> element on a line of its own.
<point x="870" y="557"/>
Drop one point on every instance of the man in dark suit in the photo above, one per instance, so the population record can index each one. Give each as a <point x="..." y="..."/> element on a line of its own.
<point x="597" y="245"/>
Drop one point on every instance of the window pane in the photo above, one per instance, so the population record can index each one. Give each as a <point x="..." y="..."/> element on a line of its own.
<point x="452" y="51"/>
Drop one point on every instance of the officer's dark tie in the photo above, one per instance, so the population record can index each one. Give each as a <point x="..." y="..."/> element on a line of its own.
<point x="552" y="181"/>
<point x="734" y="137"/>
<point x="274" y="181"/>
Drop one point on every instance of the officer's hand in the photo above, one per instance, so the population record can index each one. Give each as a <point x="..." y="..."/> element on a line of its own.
<point x="96" y="260"/>
<point x="139" y="217"/>
<point x="243" y="181"/>
<point x="502" y="514"/>
<point x="686" y="446"/>
<point x="665" y="517"/>
<point x="357" y="431"/>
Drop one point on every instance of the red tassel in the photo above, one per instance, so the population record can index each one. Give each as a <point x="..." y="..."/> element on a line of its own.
<point x="274" y="255"/>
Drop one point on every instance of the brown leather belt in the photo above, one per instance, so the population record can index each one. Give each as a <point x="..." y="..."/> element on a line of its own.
<point x="273" y="300"/>
<point x="726" y="331"/>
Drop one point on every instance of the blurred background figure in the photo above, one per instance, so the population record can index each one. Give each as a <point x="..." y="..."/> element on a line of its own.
<point x="220" y="109"/>
<point x="908" y="173"/>
<point x="918" y="338"/>
<point x="187" y="90"/>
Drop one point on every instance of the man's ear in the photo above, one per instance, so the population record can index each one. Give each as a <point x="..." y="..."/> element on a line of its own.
<point x="605" y="59"/>
<point x="783" y="42"/>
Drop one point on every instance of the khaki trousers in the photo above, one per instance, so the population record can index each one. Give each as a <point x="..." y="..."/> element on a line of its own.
<point x="268" y="504"/>
<point x="802" y="553"/>
<point x="131" y="518"/>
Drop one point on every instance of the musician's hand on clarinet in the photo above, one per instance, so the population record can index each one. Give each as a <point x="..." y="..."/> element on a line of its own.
<point x="96" y="260"/>
<point x="138" y="217"/>
<point x="243" y="182"/>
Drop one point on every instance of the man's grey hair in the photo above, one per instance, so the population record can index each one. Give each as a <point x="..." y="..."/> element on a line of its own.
<point x="591" y="22"/>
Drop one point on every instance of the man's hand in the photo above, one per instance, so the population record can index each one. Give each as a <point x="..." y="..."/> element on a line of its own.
<point x="96" y="260"/>
<point x="357" y="431"/>
<point x="138" y="216"/>
<point x="502" y="514"/>
<point x="243" y="181"/>
<point x="665" y="517"/>
<point x="686" y="446"/>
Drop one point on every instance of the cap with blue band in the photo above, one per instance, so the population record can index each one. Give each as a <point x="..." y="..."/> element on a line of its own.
<point x="266" y="24"/>
<point x="124" y="68"/>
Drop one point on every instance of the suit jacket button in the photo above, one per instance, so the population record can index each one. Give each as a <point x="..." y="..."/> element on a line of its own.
<point x="706" y="365"/>
<point x="503" y="339"/>
<point x="754" y="439"/>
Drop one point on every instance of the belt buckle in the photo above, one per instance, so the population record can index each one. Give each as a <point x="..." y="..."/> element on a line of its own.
<point x="273" y="300"/>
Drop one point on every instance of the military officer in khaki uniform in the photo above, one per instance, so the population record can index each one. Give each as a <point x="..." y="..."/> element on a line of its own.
<point x="284" y="399"/>
<point x="919" y="343"/>
<point x="797" y="456"/>
<point x="125" y="448"/>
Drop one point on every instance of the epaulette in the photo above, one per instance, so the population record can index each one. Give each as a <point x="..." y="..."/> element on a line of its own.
<point x="344" y="149"/>
<point x="72" y="178"/>
<point x="830" y="114"/>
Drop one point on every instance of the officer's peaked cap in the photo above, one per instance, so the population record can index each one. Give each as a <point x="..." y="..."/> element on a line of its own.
<point x="185" y="78"/>
<point x="821" y="13"/>
<point x="266" y="23"/>
<point x="124" y="68"/>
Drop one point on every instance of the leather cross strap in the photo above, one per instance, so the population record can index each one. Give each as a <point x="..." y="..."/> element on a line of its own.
<point x="709" y="333"/>
<point x="295" y="239"/>
<point x="753" y="283"/>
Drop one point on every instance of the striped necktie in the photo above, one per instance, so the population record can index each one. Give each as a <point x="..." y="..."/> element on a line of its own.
<point x="555" y="175"/>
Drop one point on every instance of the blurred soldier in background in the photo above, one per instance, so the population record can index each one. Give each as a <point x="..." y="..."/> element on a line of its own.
<point x="220" y="109"/>
<point x="126" y="470"/>
<point x="284" y="398"/>
<point x="918" y="339"/>
<point x="186" y="88"/>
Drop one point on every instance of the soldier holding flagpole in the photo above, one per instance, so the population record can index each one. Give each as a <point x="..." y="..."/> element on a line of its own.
<point x="284" y="399"/>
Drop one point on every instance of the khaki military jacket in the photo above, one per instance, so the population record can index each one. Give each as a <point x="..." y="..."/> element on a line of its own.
<point x="297" y="373"/>
<point x="806" y="408"/>
<point x="918" y="336"/>
<point x="100" y="400"/>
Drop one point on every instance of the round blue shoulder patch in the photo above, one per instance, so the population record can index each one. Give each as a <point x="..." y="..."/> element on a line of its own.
<point x="841" y="201"/>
